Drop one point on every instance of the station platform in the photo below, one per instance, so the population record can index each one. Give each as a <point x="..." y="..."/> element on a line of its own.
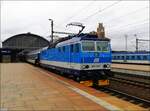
<point x="25" y="87"/>
<point x="142" y="70"/>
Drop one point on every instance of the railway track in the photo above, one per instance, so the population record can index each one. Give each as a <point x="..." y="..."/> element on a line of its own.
<point x="141" y="78"/>
<point x="133" y="99"/>
<point x="130" y="89"/>
<point x="131" y="82"/>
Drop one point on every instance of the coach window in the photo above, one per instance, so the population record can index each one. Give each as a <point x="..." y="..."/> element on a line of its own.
<point x="118" y="57"/>
<point x="127" y="57"/>
<point x="138" y="57"/>
<point x="132" y="57"/>
<point x="113" y="57"/>
<point x="144" y="57"/>
<point x="123" y="57"/>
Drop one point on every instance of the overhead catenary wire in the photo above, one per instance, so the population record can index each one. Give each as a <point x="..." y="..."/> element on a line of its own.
<point x="68" y="19"/>
<point x="127" y="26"/>
<point x="100" y="11"/>
<point x="129" y="33"/>
<point x="129" y="30"/>
<point x="128" y="14"/>
<point x="130" y="24"/>
<point x="76" y="13"/>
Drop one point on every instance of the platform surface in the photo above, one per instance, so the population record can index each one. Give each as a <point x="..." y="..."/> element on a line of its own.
<point x="25" y="87"/>
<point x="145" y="68"/>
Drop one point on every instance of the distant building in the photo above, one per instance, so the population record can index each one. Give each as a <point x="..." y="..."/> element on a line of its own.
<point x="100" y="31"/>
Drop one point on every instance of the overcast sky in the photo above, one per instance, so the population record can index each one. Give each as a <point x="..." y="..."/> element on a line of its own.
<point x="118" y="17"/>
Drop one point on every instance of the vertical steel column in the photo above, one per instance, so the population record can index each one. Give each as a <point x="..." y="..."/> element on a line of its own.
<point x="136" y="44"/>
<point x="126" y="45"/>
<point x="51" y="29"/>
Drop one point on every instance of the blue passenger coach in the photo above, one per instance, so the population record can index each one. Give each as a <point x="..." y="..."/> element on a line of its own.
<point x="131" y="57"/>
<point x="83" y="56"/>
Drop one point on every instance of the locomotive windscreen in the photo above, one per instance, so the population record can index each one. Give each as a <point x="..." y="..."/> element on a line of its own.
<point x="100" y="46"/>
<point x="88" y="46"/>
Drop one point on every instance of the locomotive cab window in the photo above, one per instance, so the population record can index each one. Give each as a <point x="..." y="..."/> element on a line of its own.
<point x="88" y="46"/>
<point x="102" y="46"/>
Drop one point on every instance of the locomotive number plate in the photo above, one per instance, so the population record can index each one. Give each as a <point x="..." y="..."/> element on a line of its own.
<point x="103" y="82"/>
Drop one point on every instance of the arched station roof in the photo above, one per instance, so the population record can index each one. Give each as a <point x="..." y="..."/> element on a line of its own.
<point x="25" y="41"/>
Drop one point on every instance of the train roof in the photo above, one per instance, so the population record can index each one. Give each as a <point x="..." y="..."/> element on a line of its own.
<point x="37" y="51"/>
<point x="74" y="38"/>
<point x="87" y="36"/>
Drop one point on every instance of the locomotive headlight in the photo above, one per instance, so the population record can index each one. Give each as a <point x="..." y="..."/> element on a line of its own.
<point x="106" y="66"/>
<point x="85" y="66"/>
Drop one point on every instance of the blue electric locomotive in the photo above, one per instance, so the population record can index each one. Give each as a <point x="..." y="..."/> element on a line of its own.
<point x="84" y="56"/>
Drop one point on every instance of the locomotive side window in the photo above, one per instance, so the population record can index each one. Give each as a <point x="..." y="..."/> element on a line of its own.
<point x="64" y="48"/>
<point x="71" y="48"/>
<point x="88" y="46"/>
<point x="59" y="49"/>
<point x="76" y="47"/>
<point x="102" y="46"/>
